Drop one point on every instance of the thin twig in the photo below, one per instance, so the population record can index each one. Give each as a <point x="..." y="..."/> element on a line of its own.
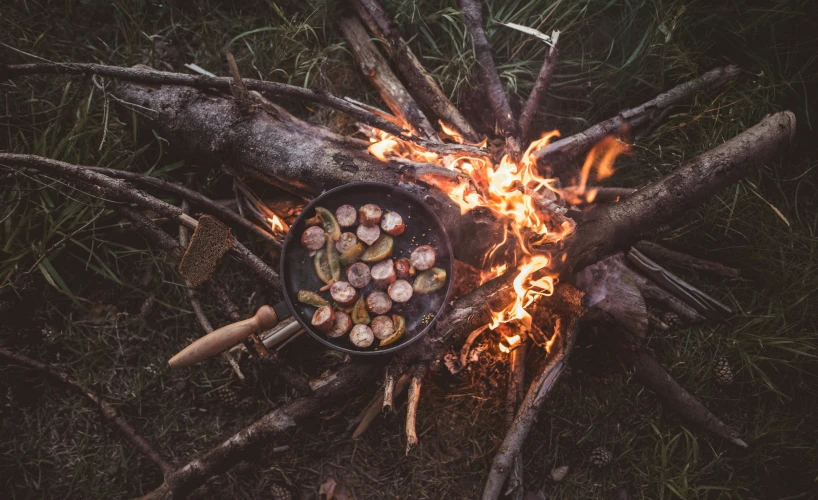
<point x="151" y="76"/>
<point x="109" y="413"/>
<point x="376" y="406"/>
<point x="412" y="408"/>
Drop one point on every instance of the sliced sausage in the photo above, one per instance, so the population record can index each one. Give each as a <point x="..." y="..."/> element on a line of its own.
<point x="340" y="326"/>
<point x="346" y="215"/>
<point x="313" y="238"/>
<point x="343" y="293"/>
<point x="370" y="214"/>
<point x="358" y="275"/>
<point x="361" y="336"/>
<point x="378" y="303"/>
<point x="400" y="291"/>
<point x="423" y="258"/>
<point x="403" y="268"/>
<point x="347" y="241"/>
<point x="384" y="273"/>
<point x="368" y="234"/>
<point x="382" y="327"/>
<point x="392" y="223"/>
<point x="323" y="318"/>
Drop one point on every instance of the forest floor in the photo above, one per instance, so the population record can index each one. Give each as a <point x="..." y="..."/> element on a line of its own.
<point x="109" y="310"/>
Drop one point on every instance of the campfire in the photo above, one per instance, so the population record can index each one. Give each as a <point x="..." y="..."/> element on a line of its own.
<point x="524" y="237"/>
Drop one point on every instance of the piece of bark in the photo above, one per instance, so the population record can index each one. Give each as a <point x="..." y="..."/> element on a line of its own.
<point x="108" y="412"/>
<point x="489" y="77"/>
<point x="376" y="69"/>
<point x="563" y="150"/>
<point x="658" y="252"/>
<point x="538" y="91"/>
<point x="300" y="158"/>
<point x="418" y="81"/>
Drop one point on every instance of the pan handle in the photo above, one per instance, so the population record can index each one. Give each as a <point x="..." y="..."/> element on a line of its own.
<point x="227" y="336"/>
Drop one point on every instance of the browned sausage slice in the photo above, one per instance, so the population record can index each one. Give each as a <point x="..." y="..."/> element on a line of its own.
<point x="340" y="326"/>
<point x="402" y="268"/>
<point x="358" y="275"/>
<point x="347" y="241"/>
<point x="392" y="223"/>
<point x="343" y="293"/>
<point x="368" y="234"/>
<point x="423" y="258"/>
<point x="346" y="215"/>
<point x="378" y="303"/>
<point x="382" y="327"/>
<point x="370" y="215"/>
<point x="313" y="238"/>
<point x="400" y="291"/>
<point x="361" y="336"/>
<point x="384" y="273"/>
<point x="323" y="318"/>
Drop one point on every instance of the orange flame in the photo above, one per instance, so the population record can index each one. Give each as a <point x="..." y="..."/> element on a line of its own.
<point x="512" y="189"/>
<point x="278" y="226"/>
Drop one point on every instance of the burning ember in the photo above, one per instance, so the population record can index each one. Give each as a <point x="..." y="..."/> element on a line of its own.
<point x="278" y="226"/>
<point x="515" y="190"/>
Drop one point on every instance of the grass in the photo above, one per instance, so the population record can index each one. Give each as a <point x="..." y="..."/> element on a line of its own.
<point x="75" y="281"/>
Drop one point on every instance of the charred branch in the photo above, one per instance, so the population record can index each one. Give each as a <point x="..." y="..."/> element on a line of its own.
<point x="376" y="69"/>
<point x="489" y="77"/>
<point x="419" y="82"/>
<point x="566" y="149"/>
<point x="541" y="84"/>
<point x="658" y="252"/>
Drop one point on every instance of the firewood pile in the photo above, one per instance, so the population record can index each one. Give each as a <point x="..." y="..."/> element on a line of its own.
<point x="526" y="235"/>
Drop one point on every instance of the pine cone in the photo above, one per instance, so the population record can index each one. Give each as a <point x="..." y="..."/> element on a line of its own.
<point x="600" y="457"/>
<point x="722" y="371"/>
<point x="279" y="492"/>
<point x="227" y="397"/>
<point x="672" y="319"/>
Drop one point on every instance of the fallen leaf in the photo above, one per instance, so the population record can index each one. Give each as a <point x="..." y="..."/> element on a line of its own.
<point x="335" y="490"/>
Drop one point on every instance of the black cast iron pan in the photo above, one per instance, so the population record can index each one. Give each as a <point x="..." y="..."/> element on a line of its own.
<point x="423" y="227"/>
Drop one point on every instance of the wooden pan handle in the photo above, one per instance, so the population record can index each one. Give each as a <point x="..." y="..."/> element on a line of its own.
<point x="224" y="338"/>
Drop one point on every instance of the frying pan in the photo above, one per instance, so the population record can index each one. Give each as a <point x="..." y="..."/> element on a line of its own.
<point x="423" y="227"/>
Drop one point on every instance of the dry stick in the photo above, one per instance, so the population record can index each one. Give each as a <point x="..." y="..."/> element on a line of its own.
<point x="473" y="310"/>
<point x="388" y="391"/>
<point x="151" y="76"/>
<point x="540" y="387"/>
<point x="658" y="380"/>
<point x="117" y="190"/>
<point x="514" y="395"/>
<point x="570" y="147"/>
<point x="541" y="84"/>
<point x="658" y="252"/>
<point x="204" y="322"/>
<point x="489" y="77"/>
<point x="375" y="408"/>
<point x="376" y="69"/>
<point x="196" y="198"/>
<point x="109" y="413"/>
<point x="276" y="424"/>
<point x="412" y="407"/>
<point x="418" y="81"/>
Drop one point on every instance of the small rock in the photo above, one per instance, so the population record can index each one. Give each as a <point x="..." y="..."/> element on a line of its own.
<point x="559" y="473"/>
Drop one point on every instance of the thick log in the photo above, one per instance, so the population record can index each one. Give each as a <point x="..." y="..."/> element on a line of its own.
<point x="569" y="148"/>
<point x="418" y="81"/>
<point x="283" y="150"/>
<point x="376" y="69"/>
<point x="615" y="227"/>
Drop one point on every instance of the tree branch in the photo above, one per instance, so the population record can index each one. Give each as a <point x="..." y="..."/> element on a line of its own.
<point x="541" y="84"/>
<point x="108" y="412"/>
<point x="658" y="252"/>
<point x="418" y="81"/>
<point x="566" y="149"/>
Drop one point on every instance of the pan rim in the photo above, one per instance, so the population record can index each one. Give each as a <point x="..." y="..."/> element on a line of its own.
<point x="288" y="300"/>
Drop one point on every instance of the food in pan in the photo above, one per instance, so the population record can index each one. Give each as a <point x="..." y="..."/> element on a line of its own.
<point x="352" y="251"/>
